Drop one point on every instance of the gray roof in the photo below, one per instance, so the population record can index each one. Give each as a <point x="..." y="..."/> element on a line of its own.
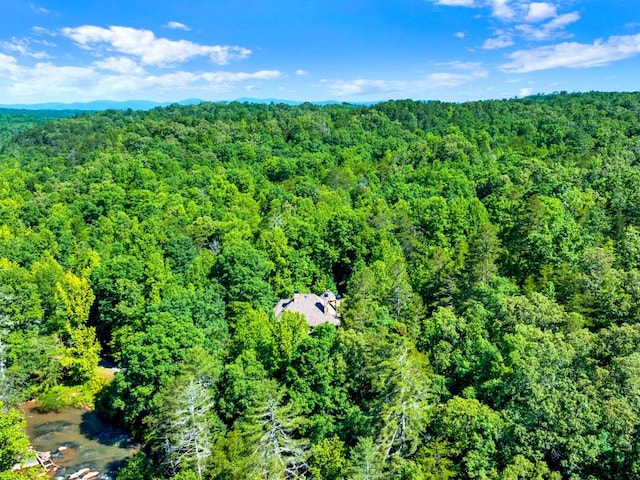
<point x="329" y="295"/>
<point x="312" y="307"/>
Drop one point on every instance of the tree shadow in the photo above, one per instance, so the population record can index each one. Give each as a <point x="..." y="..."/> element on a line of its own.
<point x="113" y="467"/>
<point x="94" y="428"/>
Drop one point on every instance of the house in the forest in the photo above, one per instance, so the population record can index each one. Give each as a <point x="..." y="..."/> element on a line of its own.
<point x="316" y="309"/>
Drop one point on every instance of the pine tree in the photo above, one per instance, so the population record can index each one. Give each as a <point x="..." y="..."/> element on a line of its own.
<point x="364" y="463"/>
<point x="187" y="428"/>
<point x="278" y="453"/>
<point x="403" y="406"/>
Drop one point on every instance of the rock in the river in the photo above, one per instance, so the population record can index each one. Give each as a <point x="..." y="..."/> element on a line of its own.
<point x="79" y="473"/>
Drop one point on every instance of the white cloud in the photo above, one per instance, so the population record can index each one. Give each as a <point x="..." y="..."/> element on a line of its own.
<point x="45" y="43"/>
<point x="466" y="72"/>
<point x="21" y="46"/>
<point x="524" y="13"/>
<point x="120" y="65"/>
<point x="502" y="10"/>
<point x="49" y="81"/>
<point x="221" y="77"/>
<point x="503" y="40"/>
<point x="111" y="78"/>
<point x="89" y="84"/>
<point x="43" y="31"/>
<point x="447" y="79"/>
<point x="456" y="3"/>
<point x="122" y="68"/>
<point x="539" y="11"/>
<point x="525" y="92"/>
<point x="148" y="48"/>
<point x="302" y="72"/>
<point x="37" y="9"/>
<point x="363" y="86"/>
<point x="531" y="25"/>
<point x="551" y="29"/>
<point x="474" y="71"/>
<point x="177" y="26"/>
<point x="8" y="66"/>
<point x="574" y="54"/>
<point x="459" y="34"/>
<point x="563" y="20"/>
<point x="458" y="65"/>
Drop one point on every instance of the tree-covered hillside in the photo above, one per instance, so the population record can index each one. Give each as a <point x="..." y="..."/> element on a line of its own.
<point x="487" y="253"/>
<point x="14" y="121"/>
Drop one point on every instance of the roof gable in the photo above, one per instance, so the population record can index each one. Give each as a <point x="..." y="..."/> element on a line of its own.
<point x="316" y="309"/>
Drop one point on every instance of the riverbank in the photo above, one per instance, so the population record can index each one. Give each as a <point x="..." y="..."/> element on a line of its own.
<point x="86" y="440"/>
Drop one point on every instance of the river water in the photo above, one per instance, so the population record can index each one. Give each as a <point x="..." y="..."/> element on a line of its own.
<point x="91" y="443"/>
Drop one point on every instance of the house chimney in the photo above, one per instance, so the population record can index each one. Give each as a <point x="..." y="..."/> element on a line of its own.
<point x="296" y="296"/>
<point x="326" y="303"/>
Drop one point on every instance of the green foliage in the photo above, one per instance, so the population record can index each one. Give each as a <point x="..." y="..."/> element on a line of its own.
<point x="13" y="441"/>
<point x="364" y="463"/>
<point x="461" y="349"/>
<point x="288" y="332"/>
<point x="316" y="377"/>
<point x="28" y="474"/>
<point x="487" y="255"/>
<point x="138" y="467"/>
<point x="436" y="460"/>
<point x="521" y="468"/>
<point x="81" y="355"/>
<point x="20" y="305"/>
<point x="32" y="363"/>
<point x="151" y="358"/>
<point x="184" y="427"/>
<point x="14" y="121"/>
<point x="404" y="401"/>
<point x="242" y="270"/>
<point x="327" y="459"/>
<point x="472" y="430"/>
<point x="270" y="427"/>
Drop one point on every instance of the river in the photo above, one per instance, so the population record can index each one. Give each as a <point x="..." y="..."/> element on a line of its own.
<point x="91" y="443"/>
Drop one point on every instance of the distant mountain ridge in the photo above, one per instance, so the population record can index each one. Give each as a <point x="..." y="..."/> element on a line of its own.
<point x="97" y="105"/>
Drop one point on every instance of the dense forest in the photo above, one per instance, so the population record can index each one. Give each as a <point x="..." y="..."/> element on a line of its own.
<point x="13" y="121"/>
<point x="487" y="255"/>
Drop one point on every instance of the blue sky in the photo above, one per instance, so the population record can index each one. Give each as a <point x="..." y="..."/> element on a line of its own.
<point x="312" y="50"/>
